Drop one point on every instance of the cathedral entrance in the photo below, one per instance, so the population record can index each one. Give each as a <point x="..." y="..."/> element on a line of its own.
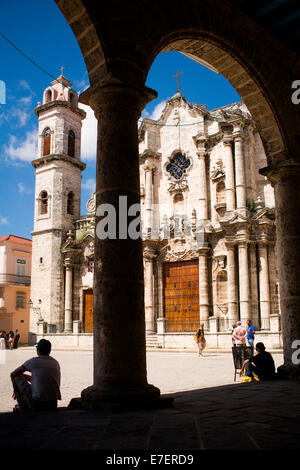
<point x="181" y="295"/>
<point x="88" y="311"/>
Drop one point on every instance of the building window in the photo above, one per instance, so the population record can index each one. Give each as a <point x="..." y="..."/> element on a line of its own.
<point x="70" y="204"/>
<point x="20" y="300"/>
<point x="71" y="144"/>
<point x="44" y="203"/>
<point x="91" y="265"/>
<point x="178" y="165"/>
<point x="47" y="142"/>
<point x="21" y="267"/>
<point x="48" y="96"/>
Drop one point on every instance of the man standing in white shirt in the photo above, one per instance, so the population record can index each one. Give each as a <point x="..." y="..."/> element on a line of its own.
<point x="41" y="389"/>
<point x="239" y="334"/>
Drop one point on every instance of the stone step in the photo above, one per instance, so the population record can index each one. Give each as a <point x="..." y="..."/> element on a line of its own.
<point x="151" y="340"/>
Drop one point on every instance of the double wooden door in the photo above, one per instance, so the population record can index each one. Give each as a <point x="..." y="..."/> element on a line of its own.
<point x="181" y="295"/>
<point x="88" y="311"/>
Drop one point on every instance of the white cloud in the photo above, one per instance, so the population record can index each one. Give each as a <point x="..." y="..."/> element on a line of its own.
<point x="156" y="113"/>
<point x="24" y="84"/>
<point x="23" y="189"/>
<point x="3" y="220"/>
<point x="24" y="150"/>
<point x="88" y="134"/>
<point x="89" y="185"/>
<point x="21" y="115"/>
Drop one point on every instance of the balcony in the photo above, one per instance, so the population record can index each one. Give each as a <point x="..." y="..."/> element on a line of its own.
<point x="14" y="279"/>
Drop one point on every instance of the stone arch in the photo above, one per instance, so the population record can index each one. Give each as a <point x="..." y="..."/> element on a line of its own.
<point x="195" y="28"/>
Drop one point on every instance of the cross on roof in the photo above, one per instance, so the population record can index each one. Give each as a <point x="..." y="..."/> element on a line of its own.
<point x="177" y="75"/>
<point x="62" y="69"/>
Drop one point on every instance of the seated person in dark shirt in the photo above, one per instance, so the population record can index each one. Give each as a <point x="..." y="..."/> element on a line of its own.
<point x="262" y="364"/>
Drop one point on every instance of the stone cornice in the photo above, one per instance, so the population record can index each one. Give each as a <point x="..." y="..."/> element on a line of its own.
<point x="58" y="157"/>
<point x="53" y="104"/>
<point x="275" y="172"/>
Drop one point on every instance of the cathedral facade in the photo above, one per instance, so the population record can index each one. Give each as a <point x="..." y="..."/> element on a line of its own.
<point x="207" y="224"/>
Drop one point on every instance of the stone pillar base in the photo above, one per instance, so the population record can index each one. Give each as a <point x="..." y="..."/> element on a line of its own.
<point x="95" y="398"/>
<point x="76" y="326"/>
<point x="40" y="327"/>
<point x="213" y="324"/>
<point x="275" y="322"/>
<point x="289" y="371"/>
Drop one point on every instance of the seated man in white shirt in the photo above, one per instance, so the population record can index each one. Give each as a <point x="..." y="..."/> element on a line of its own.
<point x="40" y="390"/>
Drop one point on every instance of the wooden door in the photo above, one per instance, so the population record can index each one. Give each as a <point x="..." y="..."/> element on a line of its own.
<point x="88" y="312"/>
<point x="181" y="295"/>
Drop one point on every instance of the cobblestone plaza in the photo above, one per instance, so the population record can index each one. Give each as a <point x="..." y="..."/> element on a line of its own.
<point x="170" y="371"/>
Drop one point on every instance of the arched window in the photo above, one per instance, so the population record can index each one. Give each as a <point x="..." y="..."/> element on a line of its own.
<point x="221" y="193"/>
<point x="71" y="144"/>
<point x="72" y="98"/>
<point x="47" y="141"/>
<point x="70" y="203"/>
<point x="44" y="202"/>
<point x="48" y="96"/>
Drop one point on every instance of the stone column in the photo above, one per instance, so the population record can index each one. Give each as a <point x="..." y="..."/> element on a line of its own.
<point x="203" y="285"/>
<point x="233" y="315"/>
<point x="264" y="287"/>
<point x="149" y="256"/>
<point x="285" y="177"/>
<point x="202" y="188"/>
<point x="243" y="281"/>
<point x="240" y="181"/>
<point x="148" y="198"/>
<point x="253" y="313"/>
<point x="119" y="317"/>
<point x="160" y="282"/>
<point x="229" y="174"/>
<point x="68" y="298"/>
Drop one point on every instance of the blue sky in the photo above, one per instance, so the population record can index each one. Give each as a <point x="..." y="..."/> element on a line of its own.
<point x="39" y="29"/>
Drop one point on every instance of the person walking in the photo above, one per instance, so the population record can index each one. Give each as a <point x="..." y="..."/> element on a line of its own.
<point x="41" y="389"/>
<point x="200" y="340"/>
<point x="16" y="339"/>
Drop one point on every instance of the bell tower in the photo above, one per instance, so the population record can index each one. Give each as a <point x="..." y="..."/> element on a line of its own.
<point x="57" y="196"/>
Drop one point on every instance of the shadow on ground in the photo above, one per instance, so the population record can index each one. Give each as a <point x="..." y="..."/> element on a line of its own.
<point x="240" y="416"/>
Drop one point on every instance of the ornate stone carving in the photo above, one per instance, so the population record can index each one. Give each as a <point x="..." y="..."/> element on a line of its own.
<point x="91" y="204"/>
<point x="178" y="186"/>
<point x="218" y="171"/>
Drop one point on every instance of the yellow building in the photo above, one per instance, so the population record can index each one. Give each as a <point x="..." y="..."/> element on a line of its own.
<point x="15" y="269"/>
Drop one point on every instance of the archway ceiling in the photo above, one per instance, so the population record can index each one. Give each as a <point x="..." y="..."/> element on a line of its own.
<point x="280" y="17"/>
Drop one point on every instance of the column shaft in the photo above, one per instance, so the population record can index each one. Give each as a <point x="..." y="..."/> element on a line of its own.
<point x="243" y="281"/>
<point x="240" y="182"/>
<point x="203" y="287"/>
<point x="229" y="177"/>
<point x="285" y="178"/>
<point x="202" y="188"/>
<point x="148" y="199"/>
<point x="149" y="296"/>
<point x="232" y="285"/>
<point x="264" y="287"/>
<point x="68" y="300"/>
<point x="119" y="314"/>
<point x="254" y="316"/>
